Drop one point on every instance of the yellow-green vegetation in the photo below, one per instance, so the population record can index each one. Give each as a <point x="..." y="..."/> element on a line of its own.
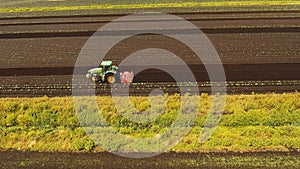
<point x="146" y="4"/>
<point x="256" y="122"/>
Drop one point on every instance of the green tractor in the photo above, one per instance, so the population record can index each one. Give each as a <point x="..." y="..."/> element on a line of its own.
<point x="105" y="73"/>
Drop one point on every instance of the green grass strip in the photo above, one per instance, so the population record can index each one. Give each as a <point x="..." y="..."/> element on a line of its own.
<point x="250" y="123"/>
<point x="149" y="6"/>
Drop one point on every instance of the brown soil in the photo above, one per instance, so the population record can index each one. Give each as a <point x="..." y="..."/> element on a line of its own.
<point x="17" y="159"/>
<point x="36" y="58"/>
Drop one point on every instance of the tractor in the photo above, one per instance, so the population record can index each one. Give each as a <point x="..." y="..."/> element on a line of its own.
<point x="105" y="73"/>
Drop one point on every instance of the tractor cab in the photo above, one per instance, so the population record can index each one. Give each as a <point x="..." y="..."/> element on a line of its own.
<point x="106" y="65"/>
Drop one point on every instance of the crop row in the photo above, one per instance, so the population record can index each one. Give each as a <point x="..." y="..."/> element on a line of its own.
<point x="146" y="85"/>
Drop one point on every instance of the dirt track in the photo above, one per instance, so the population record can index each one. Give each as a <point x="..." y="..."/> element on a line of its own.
<point x="260" y="52"/>
<point x="274" y="160"/>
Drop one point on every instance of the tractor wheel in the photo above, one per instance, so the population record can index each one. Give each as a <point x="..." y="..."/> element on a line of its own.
<point x="95" y="78"/>
<point x="110" y="79"/>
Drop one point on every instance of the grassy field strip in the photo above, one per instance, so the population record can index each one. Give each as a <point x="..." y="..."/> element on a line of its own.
<point x="158" y="5"/>
<point x="250" y="123"/>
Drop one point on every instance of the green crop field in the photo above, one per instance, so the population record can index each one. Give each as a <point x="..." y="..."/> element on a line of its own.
<point x="64" y="5"/>
<point x="256" y="122"/>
